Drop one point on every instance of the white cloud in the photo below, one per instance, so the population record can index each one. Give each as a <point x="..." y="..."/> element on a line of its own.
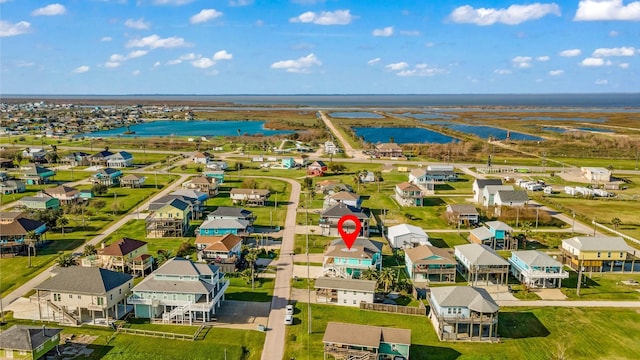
<point x="300" y="65"/>
<point x="513" y="15"/>
<point x="139" y="24"/>
<point x="117" y="58"/>
<point x="156" y="64"/>
<point x="106" y="39"/>
<point x="185" y="57"/>
<point x="137" y="53"/>
<point x="623" y="65"/>
<point x="522" y="62"/>
<point x="410" y="32"/>
<point x="374" y="61"/>
<point x="222" y="55"/>
<point x="502" y="71"/>
<point x="154" y="41"/>
<point x="601" y="82"/>
<point x="613" y="33"/>
<point x="556" y="72"/>
<point x="430" y="44"/>
<point x="240" y="2"/>
<point x="22" y="63"/>
<point x="174" y="62"/>
<point x="171" y="2"/>
<point x="205" y="15"/>
<point x="203" y="63"/>
<point x="111" y="64"/>
<point x="421" y="70"/>
<point x="570" y="52"/>
<point x="592" y="62"/>
<point x="594" y="10"/>
<point x="543" y="58"/>
<point x="135" y="72"/>
<point x="397" y="66"/>
<point x="9" y="29"/>
<point x="621" y="51"/>
<point x="50" y="10"/>
<point x="81" y="69"/>
<point x="385" y="32"/>
<point x="338" y="17"/>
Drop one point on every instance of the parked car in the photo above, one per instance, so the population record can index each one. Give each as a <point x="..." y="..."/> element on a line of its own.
<point x="288" y="320"/>
<point x="289" y="310"/>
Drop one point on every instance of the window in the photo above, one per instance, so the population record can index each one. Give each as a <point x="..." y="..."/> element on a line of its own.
<point x="344" y="301"/>
<point x="354" y="302"/>
<point x="448" y="310"/>
<point x="355" y="293"/>
<point x="79" y="297"/>
<point x="111" y="297"/>
<point x="621" y="255"/>
<point x="56" y="297"/>
<point x="120" y="291"/>
<point x="609" y="254"/>
<point x="345" y="292"/>
<point x="598" y="253"/>
<point x="100" y="300"/>
<point x="70" y="296"/>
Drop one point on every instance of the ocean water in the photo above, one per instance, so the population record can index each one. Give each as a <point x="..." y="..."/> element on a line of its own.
<point x="401" y="135"/>
<point x="487" y="131"/>
<point x="601" y="100"/>
<point x="356" y="115"/>
<point x="191" y="128"/>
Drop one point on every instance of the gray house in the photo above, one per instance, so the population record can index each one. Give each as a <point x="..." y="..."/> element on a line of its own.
<point x="479" y="262"/>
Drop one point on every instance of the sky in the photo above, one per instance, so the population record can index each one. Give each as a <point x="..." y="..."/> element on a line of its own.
<point x="318" y="47"/>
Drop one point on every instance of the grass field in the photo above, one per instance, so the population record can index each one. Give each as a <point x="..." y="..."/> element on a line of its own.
<point x="526" y="333"/>
<point x="241" y="291"/>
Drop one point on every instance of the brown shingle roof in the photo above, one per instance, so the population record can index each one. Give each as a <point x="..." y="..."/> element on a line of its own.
<point x="61" y="190"/>
<point x="407" y="186"/>
<point x="20" y="226"/>
<point x="364" y="335"/>
<point x="419" y="255"/>
<point x="122" y="247"/>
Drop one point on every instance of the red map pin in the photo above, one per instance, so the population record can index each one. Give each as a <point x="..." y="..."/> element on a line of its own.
<point x="349" y="238"/>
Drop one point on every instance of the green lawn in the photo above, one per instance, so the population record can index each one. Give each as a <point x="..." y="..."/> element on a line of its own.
<point x="317" y="243"/>
<point x="526" y="333"/>
<point x="603" y="286"/>
<point x="241" y="291"/>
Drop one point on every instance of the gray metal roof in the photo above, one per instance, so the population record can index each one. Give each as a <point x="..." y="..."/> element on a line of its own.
<point x="598" y="243"/>
<point x="498" y="225"/>
<point x="179" y="266"/>
<point x="26" y="338"/>
<point x="463" y="209"/>
<point x="225" y="224"/>
<point x="475" y="299"/>
<point x="481" y="255"/>
<point x="341" y="209"/>
<point x="481" y="183"/>
<point x="345" y="284"/>
<point x="481" y="233"/>
<point x="84" y="280"/>
<point x="536" y="258"/>
<point x="512" y="196"/>
<point x="182" y="266"/>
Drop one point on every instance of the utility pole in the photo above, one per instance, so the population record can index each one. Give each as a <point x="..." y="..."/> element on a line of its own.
<point x="579" y="276"/>
<point x="537" y="209"/>
<point x="573" y="224"/>
<point x="594" y="226"/>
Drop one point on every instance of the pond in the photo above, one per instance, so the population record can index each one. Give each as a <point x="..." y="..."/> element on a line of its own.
<point x="356" y="115"/>
<point x="600" y="130"/>
<point x="431" y="115"/>
<point x="191" y="128"/>
<point x="549" y="118"/>
<point x="487" y="131"/>
<point x="402" y="135"/>
<point x="554" y="129"/>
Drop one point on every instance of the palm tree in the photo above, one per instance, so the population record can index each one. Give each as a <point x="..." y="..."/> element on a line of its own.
<point x="616" y="222"/>
<point x="386" y="278"/>
<point x="66" y="260"/>
<point x="251" y="258"/>
<point x="89" y="250"/>
<point x="31" y="239"/>
<point x="61" y="222"/>
<point x="378" y="177"/>
<point x="370" y="274"/>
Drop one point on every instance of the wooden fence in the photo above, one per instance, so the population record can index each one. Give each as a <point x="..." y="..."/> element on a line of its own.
<point x="421" y="310"/>
<point x="161" y="334"/>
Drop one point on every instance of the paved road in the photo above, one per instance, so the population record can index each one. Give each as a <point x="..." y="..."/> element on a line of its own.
<point x="348" y="149"/>
<point x="134" y="214"/>
<point x="274" y="342"/>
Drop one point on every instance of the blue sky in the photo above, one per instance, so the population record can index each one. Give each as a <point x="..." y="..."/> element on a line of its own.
<point x="318" y="47"/>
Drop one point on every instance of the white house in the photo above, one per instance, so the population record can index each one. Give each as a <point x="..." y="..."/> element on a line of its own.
<point x="120" y="159"/>
<point x="478" y="187"/>
<point x="344" y="292"/>
<point x="343" y="197"/>
<point x="489" y="193"/>
<point x="596" y="174"/>
<point x="407" y="236"/>
<point x="330" y="148"/>
<point x="511" y="198"/>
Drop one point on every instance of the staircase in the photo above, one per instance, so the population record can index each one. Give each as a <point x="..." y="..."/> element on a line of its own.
<point x="336" y="272"/>
<point x="176" y="313"/>
<point x="65" y="314"/>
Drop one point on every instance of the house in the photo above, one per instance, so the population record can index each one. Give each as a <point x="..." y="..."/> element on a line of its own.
<point x="215" y="174"/>
<point x="288" y="163"/>
<point x="201" y="158"/>
<point x="132" y="181"/>
<point x="494" y="234"/>
<point x="33" y="174"/>
<point x="404" y="236"/>
<point x="596" y="174"/>
<point x="408" y="194"/>
<point x="219" y="227"/>
<point x="591" y="253"/>
<point x="205" y="184"/>
<point x="425" y="178"/>
<point x="196" y="206"/>
<point x="463" y="214"/>
<point x="537" y="269"/>
<point x="28" y="342"/>
<point x="15" y="230"/>
<point x="463" y="313"/>
<point x="449" y="168"/>
<point x="12" y="187"/>
<point x="388" y="150"/>
<point x="330" y="148"/>
<point x="169" y="220"/>
<point x="478" y="187"/>
<point x="367" y="177"/>
<point x="343" y="197"/>
<point x="35" y="154"/>
<point x="489" y="192"/>
<point x="340" y="261"/>
<point x="223" y="251"/>
<point x="250" y="197"/>
<point x="510" y="198"/>
<point x="427" y="263"/>
<point x="344" y="292"/>
<point x="180" y="291"/>
<point x="331" y="187"/>
<point x="125" y="255"/>
<point x="479" y="262"/>
<point x="41" y="201"/>
<point x="330" y="217"/>
<point x="76" y="294"/>
<point x="100" y="159"/>
<point x="217" y="165"/>
<point x="229" y="212"/>
<point x="350" y="341"/>
<point x="317" y="168"/>
<point x="107" y="177"/>
<point x="64" y="194"/>
<point x="120" y="159"/>
<point x="77" y="158"/>
<point x="6" y="163"/>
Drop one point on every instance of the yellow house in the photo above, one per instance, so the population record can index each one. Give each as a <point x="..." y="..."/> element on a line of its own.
<point x="169" y="220"/>
<point x="593" y="252"/>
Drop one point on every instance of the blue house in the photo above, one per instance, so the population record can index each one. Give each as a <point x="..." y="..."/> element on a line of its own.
<point x="216" y="174"/>
<point x="340" y="261"/>
<point x="107" y="176"/>
<point x="537" y="269"/>
<point x="494" y="234"/>
<point x="219" y="227"/>
<point x="288" y="163"/>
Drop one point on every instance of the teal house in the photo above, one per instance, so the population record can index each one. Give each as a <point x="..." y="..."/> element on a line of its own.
<point x="220" y="227"/>
<point x="41" y="201"/>
<point x="180" y="291"/>
<point x="351" y="341"/>
<point x="216" y="174"/>
<point x="37" y="175"/>
<point x="28" y="342"/>
<point x="288" y="163"/>
<point x="107" y="176"/>
<point x="340" y="261"/>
